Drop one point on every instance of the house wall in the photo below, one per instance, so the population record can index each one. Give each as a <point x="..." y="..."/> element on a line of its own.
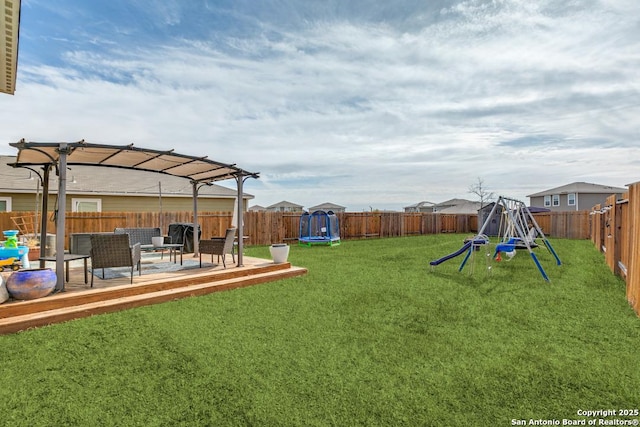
<point x="587" y="201"/>
<point x="283" y="208"/>
<point x="23" y="202"/>
<point x="584" y="201"/>
<point x="152" y="204"/>
<point x="27" y="203"/>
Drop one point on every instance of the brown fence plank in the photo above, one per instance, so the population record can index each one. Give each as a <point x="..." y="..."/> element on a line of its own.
<point x="263" y="228"/>
<point x="615" y="230"/>
<point x="633" y="267"/>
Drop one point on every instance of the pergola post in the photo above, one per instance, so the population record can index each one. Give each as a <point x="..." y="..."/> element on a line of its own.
<point x="240" y="220"/>
<point x="196" y="237"/>
<point x="60" y="215"/>
<point x="45" y="208"/>
<point x="240" y="178"/>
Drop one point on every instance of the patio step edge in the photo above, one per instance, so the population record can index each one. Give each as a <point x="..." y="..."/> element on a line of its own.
<point x="116" y="303"/>
<point x="62" y="299"/>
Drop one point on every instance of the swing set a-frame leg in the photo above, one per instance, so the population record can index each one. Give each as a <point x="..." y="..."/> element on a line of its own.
<point x="535" y="259"/>
<point x="519" y="216"/>
<point x="466" y="257"/>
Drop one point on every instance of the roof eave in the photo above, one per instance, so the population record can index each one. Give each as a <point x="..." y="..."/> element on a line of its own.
<point x="9" y="37"/>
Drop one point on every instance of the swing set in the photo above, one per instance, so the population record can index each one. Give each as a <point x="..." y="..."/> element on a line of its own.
<point x="518" y="231"/>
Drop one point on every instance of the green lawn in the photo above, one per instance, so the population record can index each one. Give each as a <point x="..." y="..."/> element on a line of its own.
<point x="370" y="336"/>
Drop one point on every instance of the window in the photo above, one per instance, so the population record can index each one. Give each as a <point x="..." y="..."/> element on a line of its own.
<point x="86" y="205"/>
<point x="547" y="201"/>
<point x="556" y="199"/>
<point x="5" y="204"/>
<point x="571" y="199"/>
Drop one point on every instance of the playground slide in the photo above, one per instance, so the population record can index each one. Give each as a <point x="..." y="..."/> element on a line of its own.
<point x="453" y="255"/>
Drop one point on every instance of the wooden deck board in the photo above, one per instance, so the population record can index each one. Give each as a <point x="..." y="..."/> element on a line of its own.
<point x="79" y="300"/>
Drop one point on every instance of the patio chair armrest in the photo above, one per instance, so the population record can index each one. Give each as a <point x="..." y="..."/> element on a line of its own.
<point x="211" y="246"/>
<point x="136" y="252"/>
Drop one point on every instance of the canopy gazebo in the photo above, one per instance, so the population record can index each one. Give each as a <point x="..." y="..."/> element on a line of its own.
<point x="42" y="157"/>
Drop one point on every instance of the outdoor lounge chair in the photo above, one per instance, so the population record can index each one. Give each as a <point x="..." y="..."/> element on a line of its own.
<point x="113" y="250"/>
<point x="219" y="246"/>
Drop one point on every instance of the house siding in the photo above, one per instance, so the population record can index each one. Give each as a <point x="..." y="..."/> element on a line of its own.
<point x="588" y="201"/>
<point x="24" y="202"/>
<point x="27" y="203"/>
<point x="584" y="201"/>
<point x="152" y="204"/>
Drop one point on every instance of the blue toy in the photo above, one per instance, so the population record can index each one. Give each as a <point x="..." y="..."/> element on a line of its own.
<point x="11" y="252"/>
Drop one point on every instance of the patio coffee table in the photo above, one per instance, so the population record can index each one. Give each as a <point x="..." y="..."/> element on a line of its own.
<point x="171" y="247"/>
<point x="67" y="259"/>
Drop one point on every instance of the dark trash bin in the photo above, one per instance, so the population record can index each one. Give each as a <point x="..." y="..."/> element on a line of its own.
<point x="183" y="233"/>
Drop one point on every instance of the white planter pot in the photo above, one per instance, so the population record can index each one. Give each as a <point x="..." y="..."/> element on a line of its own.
<point x="279" y="253"/>
<point x="157" y="241"/>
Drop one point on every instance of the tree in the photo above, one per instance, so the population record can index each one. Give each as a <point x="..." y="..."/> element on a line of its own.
<point x="480" y="190"/>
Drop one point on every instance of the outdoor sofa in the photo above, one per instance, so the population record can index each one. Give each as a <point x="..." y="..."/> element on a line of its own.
<point x="144" y="236"/>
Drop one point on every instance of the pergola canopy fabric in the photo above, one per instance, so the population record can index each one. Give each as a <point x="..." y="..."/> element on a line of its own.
<point x="196" y="169"/>
<point x="199" y="170"/>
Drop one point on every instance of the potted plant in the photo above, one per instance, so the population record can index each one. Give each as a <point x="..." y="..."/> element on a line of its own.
<point x="33" y="244"/>
<point x="31" y="284"/>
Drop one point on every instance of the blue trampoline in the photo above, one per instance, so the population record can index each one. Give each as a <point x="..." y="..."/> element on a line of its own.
<point x="319" y="228"/>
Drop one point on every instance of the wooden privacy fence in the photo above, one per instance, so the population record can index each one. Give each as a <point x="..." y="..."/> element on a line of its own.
<point x="264" y="228"/>
<point x="568" y="225"/>
<point x="615" y="231"/>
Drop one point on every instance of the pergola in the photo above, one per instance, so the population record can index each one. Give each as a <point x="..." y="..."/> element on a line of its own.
<point x="42" y="157"/>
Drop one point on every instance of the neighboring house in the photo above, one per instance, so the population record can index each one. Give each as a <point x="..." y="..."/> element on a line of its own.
<point x="457" y="206"/>
<point x="106" y="189"/>
<point x="423" y="206"/>
<point x="285" y="206"/>
<point x="257" y="208"/>
<point x="327" y="206"/>
<point x="577" y="196"/>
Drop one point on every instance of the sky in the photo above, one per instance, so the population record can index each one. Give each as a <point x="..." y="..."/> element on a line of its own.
<point x="368" y="104"/>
